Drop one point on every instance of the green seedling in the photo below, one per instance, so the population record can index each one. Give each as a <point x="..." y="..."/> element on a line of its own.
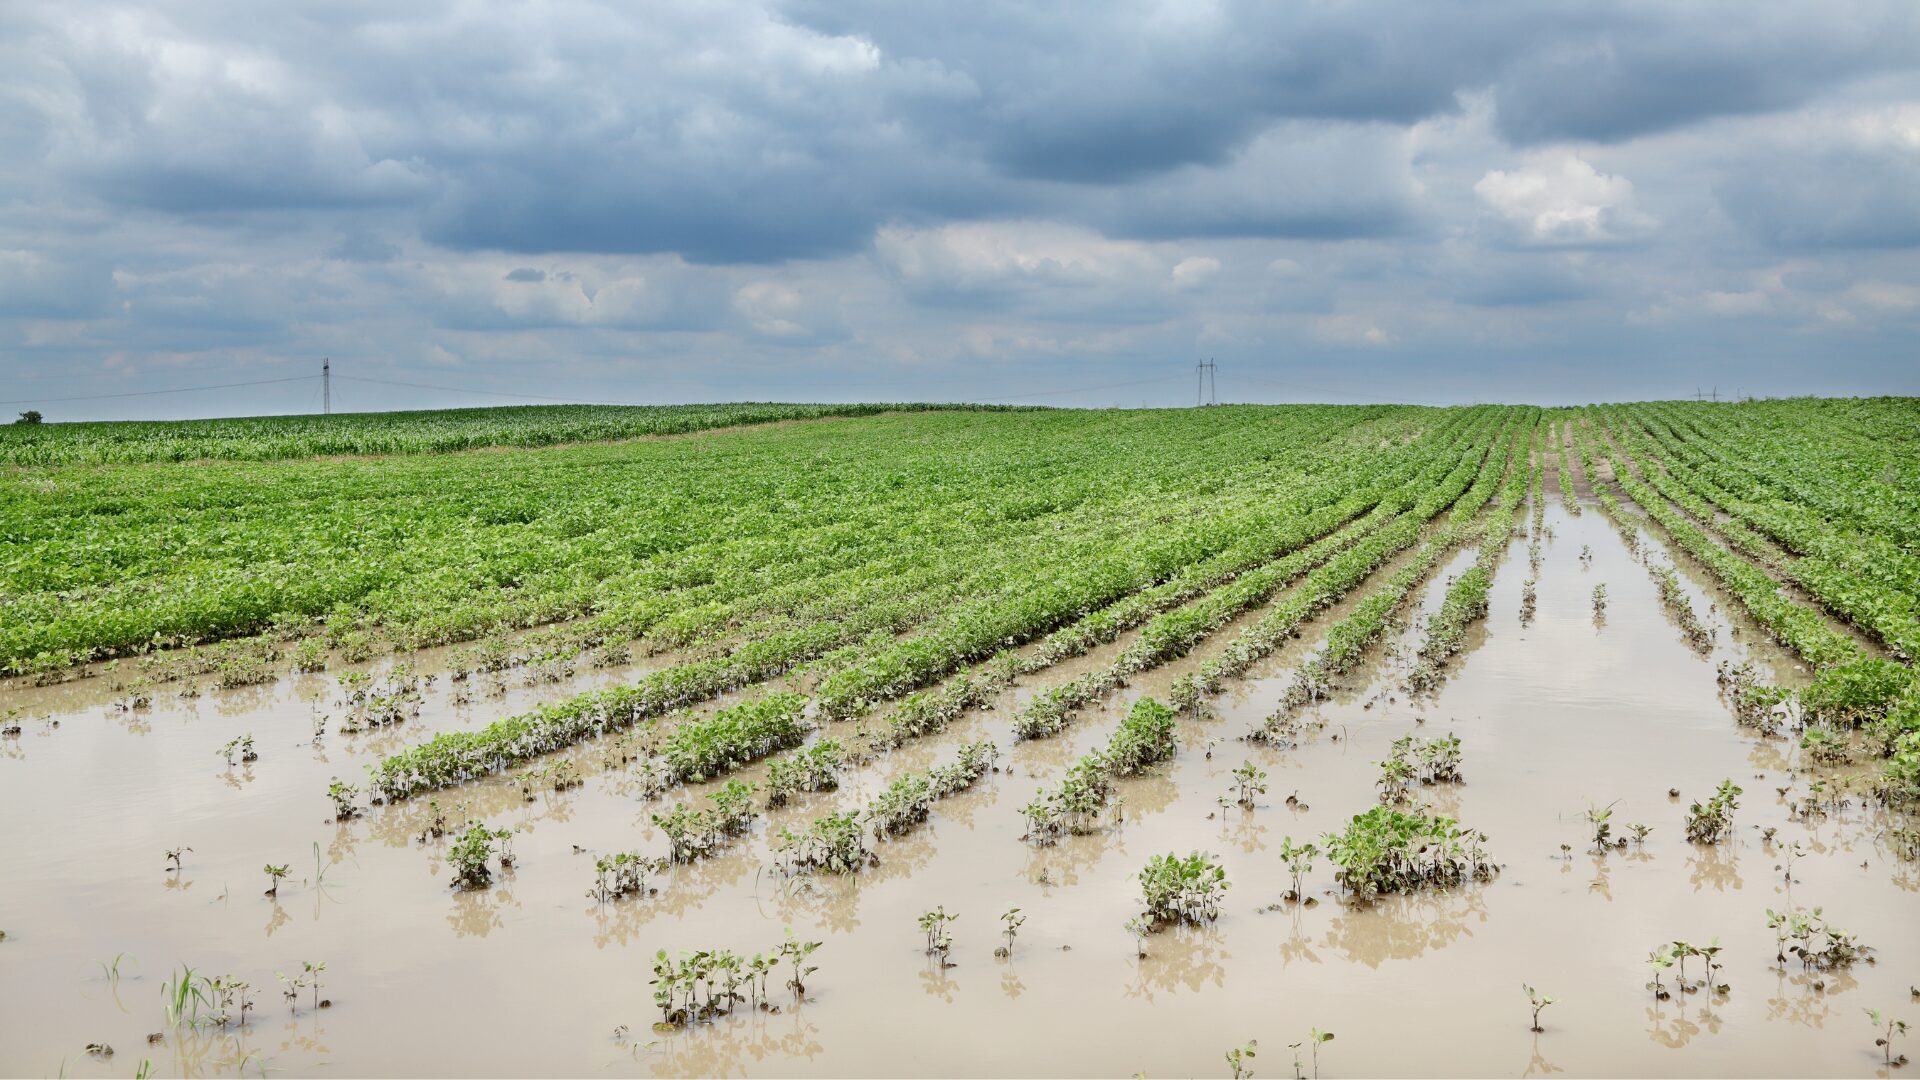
<point x="240" y="747"/>
<point x="469" y="855"/>
<point x="1536" y="1001"/>
<point x="1640" y="832"/>
<point x="1711" y="821"/>
<point x="1889" y="1029"/>
<point x="274" y="874"/>
<point x="1299" y="863"/>
<point x="939" y="943"/>
<point x="342" y="795"/>
<point x="1012" y="920"/>
<point x="1239" y="1057"/>
<point x="1139" y="928"/>
<point x="1178" y="889"/>
<point x="1249" y="783"/>
<point x="1312" y="1042"/>
<point x="1600" y="820"/>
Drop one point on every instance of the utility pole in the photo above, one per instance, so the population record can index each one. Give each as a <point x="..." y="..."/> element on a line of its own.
<point x="326" y="386"/>
<point x="1204" y="373"/>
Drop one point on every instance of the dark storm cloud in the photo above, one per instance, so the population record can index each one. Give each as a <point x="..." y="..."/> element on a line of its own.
<point x="772" y="184"/>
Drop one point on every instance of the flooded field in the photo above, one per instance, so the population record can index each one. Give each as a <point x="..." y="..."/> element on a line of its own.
<point x="1557" y="714"/>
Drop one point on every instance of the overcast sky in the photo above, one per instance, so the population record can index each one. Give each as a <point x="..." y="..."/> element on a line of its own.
<point x="1050" y="203"/>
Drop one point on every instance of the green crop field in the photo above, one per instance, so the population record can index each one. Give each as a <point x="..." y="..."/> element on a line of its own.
<point x="786" y="647"/>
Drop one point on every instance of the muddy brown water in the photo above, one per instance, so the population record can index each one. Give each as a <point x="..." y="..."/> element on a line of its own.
<point x="531" y="977"/>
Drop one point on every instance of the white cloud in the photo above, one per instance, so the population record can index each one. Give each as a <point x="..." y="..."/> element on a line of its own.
<point x="1557" y="197"/>
<point x="1349" y="330"/>
<point x="1194" y="271"/>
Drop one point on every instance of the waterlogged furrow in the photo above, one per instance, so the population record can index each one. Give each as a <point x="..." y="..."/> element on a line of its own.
<point x="1796" y="627"/>
<point x="1351" y="636"/>
<point x="1321" y="589"/>
<point x="1466" y="599"/>
<point x="1175" y="633"/>
<point x="980" y="630"/>
<point x="1099" y="571"/>
<point x="1864" y="579"/>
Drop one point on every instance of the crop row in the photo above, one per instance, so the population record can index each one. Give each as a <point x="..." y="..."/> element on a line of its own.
<point x="1175" y="633"/>
<point x="1799" y="628"/>
<point x="1864" y="578"/>
<point x="1466" y="600"/>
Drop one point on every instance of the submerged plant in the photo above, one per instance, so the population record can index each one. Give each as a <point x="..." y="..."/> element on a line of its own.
<point x="342" y="795"/>
<point x="1817" y="943"/>
<point x="274" y="874"/>
<point x="1182" y="889"/>
<point x="1299" y="863"/>
<point x="939" y="943"/>
<point x="1536" y="1001"/>
<point x="240" y="746"/>
<point x="173" y="858"/>
<point x="1249" y="783"/>
<point x="1312" y="1042"/>
<point x="1391" y="851"/>
<point x="1012" y="920"/>
<point x="1889" y="1029"/>
<point x="1711" y="821"/>
<point x="470" y="854"/>
<point x="1238" y="1058"/>
<point x="1600" y="820"/>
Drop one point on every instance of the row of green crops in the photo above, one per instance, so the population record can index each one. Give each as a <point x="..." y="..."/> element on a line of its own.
<point x="271" y="438"/>
<point x="684" y="538"/>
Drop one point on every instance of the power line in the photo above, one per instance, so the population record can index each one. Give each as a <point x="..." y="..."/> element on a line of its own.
<point x="149" y="393"/>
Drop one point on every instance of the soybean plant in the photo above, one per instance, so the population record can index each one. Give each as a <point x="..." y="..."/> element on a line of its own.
<point x="939" y="942"/>
<point x="1537" y="1001"/>
<point x="274" y="874"/>
<point x="1012" y="920"/>
<point x="1892" y="1028"/>
<point x="1238" y="1057"/>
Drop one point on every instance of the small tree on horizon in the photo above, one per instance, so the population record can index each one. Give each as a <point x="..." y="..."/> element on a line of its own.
<point x="31" y="416"/>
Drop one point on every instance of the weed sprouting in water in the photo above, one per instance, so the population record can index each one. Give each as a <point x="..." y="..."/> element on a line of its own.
<point x="1888" y="1029"/>
<point x="1640" y="832"/>
<point x="173" y="858"/>
<point x="1600" y="601"/>
<point x="1711" y="821"/>
<point x="184" y="995"/>
<point x="939" y="943"/>
<point x="274" y="874"/>
<point x="1536" y="1001"/>
<point x="1239" y="1057"/>
<point x="1138" y="928"/>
